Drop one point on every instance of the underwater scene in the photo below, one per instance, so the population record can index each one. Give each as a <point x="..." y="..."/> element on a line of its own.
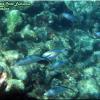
<point x="49" y="49"/>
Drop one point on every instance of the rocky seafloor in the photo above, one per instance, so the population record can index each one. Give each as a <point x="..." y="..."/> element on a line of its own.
<point x="51" y="50"/>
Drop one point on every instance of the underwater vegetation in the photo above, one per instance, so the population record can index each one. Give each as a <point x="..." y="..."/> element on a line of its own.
<point x="51" y="50"/>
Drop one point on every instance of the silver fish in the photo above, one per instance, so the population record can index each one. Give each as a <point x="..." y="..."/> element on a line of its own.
<point x="58" y="64"/>
<point x="28" y="60"/>
<point x="53" y="53"/>
<point x="55" y="91"/>
<point x="69" y="17"/>
<point x="97" y="34"/>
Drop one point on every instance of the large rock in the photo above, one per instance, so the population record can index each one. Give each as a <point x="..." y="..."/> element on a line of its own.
<point x="13" y="19"/>
<point x="19" y="73"/>
<point x="88" y="87"/>
<point x="14" y="84"/>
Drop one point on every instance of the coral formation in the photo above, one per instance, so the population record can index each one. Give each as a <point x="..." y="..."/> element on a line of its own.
<point x="51" y="50"/>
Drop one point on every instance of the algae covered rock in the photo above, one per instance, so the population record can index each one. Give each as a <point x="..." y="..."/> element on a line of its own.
<point x="86" y="45"/>
<point x="10" y="55"/>
<point x="88" y="86"/>
<point x="4" y="66"/>
<point x="97" y="74"/>
<point x="80" y="6"/>
<point x="96" y="56"/>
<point x="13" y="20"/>
<point x="88" y="72"/>
<point x="42" y="33"/>
<point x="53" y="44"/>
<point x="19" y="73"/>
<point x="27" y="32"/>
<point x="82" y="43"/>
<point x="14" y="84"/>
